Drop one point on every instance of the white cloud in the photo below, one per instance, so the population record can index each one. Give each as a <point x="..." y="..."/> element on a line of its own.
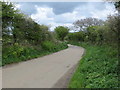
<point x="53" y="25"/>
<point x="103" y="13"/>
<point x="17" y="6"/>
<point x="68" y="17"/>
<point x="45" y="15"/>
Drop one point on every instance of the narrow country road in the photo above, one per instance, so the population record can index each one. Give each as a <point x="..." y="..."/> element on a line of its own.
<point x="43" y="72"/>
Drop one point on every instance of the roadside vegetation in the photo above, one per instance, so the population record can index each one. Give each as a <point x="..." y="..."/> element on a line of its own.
<point x="17" y="53"/>
<point x="99" y="67"/>
<point x="61" y="32"/>
<point x="23" y="38"/>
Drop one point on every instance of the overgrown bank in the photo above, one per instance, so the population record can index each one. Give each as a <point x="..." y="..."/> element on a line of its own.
<point x="97" y="69"/>
<point x="17" y="53"/>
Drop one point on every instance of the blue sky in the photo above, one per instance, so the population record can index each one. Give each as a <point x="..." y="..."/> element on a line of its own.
<point x="65" y="13"/>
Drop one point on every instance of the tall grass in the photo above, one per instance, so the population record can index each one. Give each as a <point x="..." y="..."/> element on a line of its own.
<point x="50" y="46"/>
<point x="97" y="69"/>
<point x="17" y="53"/>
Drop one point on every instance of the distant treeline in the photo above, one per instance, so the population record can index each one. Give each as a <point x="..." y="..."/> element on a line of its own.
<point x="97" y="31"/>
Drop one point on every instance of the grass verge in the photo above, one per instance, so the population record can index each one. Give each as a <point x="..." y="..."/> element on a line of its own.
<point x="97" y="69"/>
<point x="18" y="53"/>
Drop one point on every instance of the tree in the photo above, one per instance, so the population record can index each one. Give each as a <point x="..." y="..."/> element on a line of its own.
<point x="20" y="28"/>
<point x="91" y="33"/>
<point x="8" y="13"/>
<point x="76" y="36"/>
<point x="45" y="33"/>
<point x="17" y="28"/>
<point x="116" y="4"/>
<point x="113" y="23"/>
<point x="61" y="32"/>
<point x="84" y="23"/>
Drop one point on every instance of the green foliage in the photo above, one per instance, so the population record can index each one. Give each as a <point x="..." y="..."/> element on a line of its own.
<point x="17" y="53"/>
<point x="97" y="31"/>
<point x="20" y="28"/>
<point x="48" y="45"/>
<point x="61" y="32"/>
<point x="77" y="36"/>
<point x="8" y="13"/>
<point x="51" y="46"/>
<point x="93" y="35"/>
<point x="114" y="28"/>
<point x="103" y="34"/>
<point x="46" y="35"/>
<point x="97" y="69"/>
<point x="23" y="38"/>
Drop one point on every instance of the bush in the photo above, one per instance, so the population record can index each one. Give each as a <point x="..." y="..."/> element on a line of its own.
<point x="53" y="47"/>
<point x="97" y="69"/>
<point x="17" y="53"/>
<point x="48" y="45"/>
<point x="61" y="32"/>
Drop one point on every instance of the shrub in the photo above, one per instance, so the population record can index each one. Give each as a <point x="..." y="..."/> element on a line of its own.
<point x="53" y="47"/>
<point x="97" y="69"/>
<point x="48" y="45"/>
<point x="61" y="32"/>
<point x="17" y="53"/>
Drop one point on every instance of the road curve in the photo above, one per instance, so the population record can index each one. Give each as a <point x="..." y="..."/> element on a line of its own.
<point x="43" y="72"/>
